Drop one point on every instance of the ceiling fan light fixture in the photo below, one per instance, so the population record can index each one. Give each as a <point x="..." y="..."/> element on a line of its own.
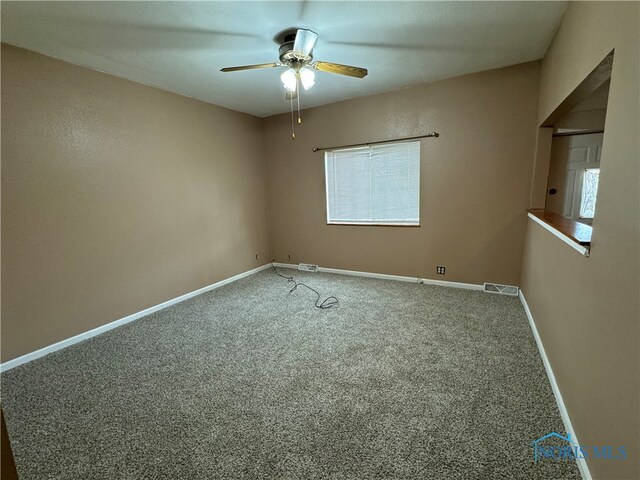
<point x="297" y="53"/>
<point x="289" y="80"/>
<point x="307" y="77"/>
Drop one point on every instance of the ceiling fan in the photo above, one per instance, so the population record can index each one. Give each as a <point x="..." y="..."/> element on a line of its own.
<point x="296" y="52"/>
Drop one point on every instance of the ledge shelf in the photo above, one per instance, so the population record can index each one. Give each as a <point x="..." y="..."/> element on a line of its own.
<point x="575" y="234"/>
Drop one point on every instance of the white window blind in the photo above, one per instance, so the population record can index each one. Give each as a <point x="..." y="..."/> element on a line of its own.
<point x="377" y="185"/>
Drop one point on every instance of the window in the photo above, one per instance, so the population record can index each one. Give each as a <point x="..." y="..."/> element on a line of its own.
<point x="589" y="192"/>
<point x="375" y="185"/>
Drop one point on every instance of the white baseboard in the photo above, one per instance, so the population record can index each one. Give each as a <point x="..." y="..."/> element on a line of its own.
<point x="384" y="276"/>
<point x="8" y="365"/>
<point x="564" y="414"/>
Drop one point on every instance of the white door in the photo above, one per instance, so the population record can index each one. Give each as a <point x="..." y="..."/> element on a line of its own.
<point x="574" y="173"/>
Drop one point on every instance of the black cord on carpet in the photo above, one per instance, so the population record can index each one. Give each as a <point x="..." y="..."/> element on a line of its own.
<point x="326" y="303"/>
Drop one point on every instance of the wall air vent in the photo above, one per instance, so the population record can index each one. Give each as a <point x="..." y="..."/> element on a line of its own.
<point x="501" y="289"/>
<point x="307" y="267"/>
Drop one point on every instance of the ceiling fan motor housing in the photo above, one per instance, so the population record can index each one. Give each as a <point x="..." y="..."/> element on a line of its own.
<point x="291" y="59"/>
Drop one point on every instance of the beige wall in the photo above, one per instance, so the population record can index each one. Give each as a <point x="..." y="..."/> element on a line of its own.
<point x="586" y="309"/>
<point x="583" y="120"/>
<point x="116" y="197"/>
<point x="542" y="160"/>
<point x="475" y="178"/>
<point x="589" y="114"/>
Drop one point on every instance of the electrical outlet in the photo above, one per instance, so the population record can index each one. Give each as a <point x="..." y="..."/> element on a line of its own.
<point x="440" y="270"/>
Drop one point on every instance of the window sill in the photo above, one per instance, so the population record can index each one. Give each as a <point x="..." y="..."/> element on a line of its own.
<point x="575" y="234"/>
<point x="373" y="224"/>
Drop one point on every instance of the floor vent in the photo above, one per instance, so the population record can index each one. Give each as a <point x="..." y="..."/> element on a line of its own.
<point x="501" y="289"/>
<point x="307" y="267"/>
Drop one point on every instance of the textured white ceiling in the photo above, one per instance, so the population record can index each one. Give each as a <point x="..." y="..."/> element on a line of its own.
<point x="181" y="46"/>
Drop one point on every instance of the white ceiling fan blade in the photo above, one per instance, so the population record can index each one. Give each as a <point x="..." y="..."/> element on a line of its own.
<point x="305" y="40"/>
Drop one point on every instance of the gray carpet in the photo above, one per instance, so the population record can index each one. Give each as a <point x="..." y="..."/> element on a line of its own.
<point x="248" y="381"/>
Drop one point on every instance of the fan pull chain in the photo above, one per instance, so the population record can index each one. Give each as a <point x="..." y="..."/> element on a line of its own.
<point x="293" y="128"/>
<point x="299" y="92"/>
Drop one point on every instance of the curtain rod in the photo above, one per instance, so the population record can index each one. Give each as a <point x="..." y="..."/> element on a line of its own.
<point x="366" y="144"/>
